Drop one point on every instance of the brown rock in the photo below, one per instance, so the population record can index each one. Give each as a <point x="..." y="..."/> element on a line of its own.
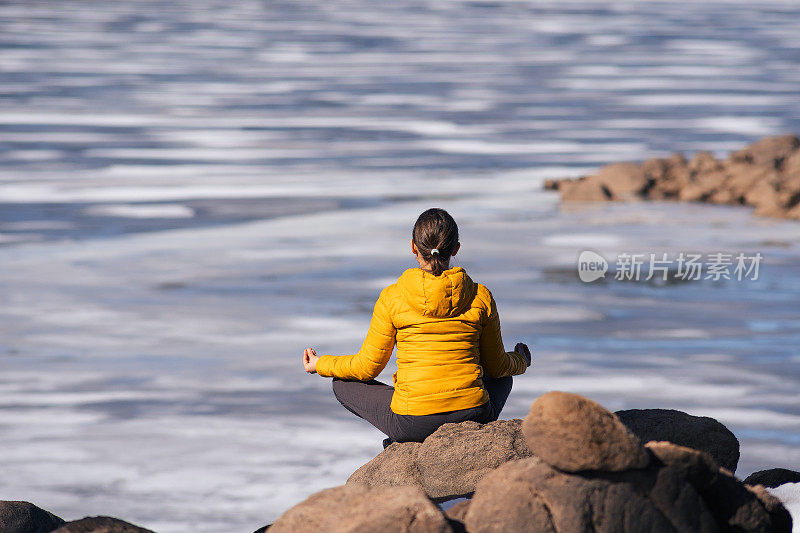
<point x="735" y="508"/>
<point x="624" y="181"/>
<point x="456" y="456"/>
<point x="395" y="466"/>
<point x="703" y="163"/>
<point x="507" y="500"/>
<point x="779" y="516"/>
<point x="698" y="467"/>
<point x="573" y="434"/>
<point x="769" y="152"/>
<point x="100" y="524"/>
<point x="765" y="199"/>
<point x="721" y="196"/>
<point x="698" y="432"/>
<point x="674" y="175"/>
<point x="458" y="511"/>
<point x="743" y="179"/>
<point x="359" y="509"/>
<point x="774" y="477"/>
<point x="765" y="175"/>
<point x="731" y="506"/>
<point x="24" y="517"/>
<point x="450" y="462"/>
<point x="588" y="189"/>
<point x="791" y="165"/>
<point x="529" y="495"/>
<point x="555" y="184"/>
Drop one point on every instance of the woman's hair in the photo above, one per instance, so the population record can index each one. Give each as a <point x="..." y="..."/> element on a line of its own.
<point x="435" y="229"/>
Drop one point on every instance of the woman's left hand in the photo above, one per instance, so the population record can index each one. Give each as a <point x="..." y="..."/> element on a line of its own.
<point x="310" y="359"/>
<point x="522" y="348"/>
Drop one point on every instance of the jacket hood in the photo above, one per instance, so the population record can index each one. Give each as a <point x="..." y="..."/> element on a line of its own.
<point x="446" y="295"/>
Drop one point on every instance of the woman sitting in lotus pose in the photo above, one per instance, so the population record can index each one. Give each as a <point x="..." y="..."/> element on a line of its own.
<point x="451" y="363"/>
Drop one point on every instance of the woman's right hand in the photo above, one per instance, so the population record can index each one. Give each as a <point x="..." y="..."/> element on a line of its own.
<point x="522" y="348"/>
<point x="310" y="359"/>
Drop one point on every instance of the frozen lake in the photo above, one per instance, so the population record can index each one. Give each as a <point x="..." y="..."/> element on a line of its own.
<point x="193" y="192"/>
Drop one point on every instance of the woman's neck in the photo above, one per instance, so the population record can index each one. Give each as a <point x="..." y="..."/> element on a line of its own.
<point x="427" y="268"/>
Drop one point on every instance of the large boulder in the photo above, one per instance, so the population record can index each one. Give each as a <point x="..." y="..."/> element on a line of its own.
<point x="774" y="477"/>
<point x="530" y="495"/>
<point x="24" y="517"/>
<point x="359" y="509"/>
<point x="733" y="504"/>
<point x="573" y="434"/>
<point x="100" y="524"/>
<point x="698" y="432"/>
<point x="455" y="457"/>
<point x="450" y="462"/>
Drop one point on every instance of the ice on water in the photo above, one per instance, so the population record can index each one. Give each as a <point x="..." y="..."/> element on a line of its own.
<point x="190" y="197"/>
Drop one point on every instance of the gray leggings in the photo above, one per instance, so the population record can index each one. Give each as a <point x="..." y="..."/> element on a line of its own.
<point x="370" y="400"/>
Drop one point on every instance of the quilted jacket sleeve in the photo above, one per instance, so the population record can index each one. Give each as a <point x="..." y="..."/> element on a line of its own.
<point x="495" y="360"/>
<point x="375" y="352"/>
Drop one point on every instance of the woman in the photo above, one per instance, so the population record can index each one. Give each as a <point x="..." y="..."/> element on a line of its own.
<point x="451" y="364"/>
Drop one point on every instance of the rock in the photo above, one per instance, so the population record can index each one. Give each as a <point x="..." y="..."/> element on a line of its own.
<point x="24" y="517"/>
<point x="666" y="177"/>
<point x="395" y="466"/>
<point x="698" y="467"/>
<point x="770" y="152"/>
<point x="619" y="181"/>
<point x="455" y="457"/>
<point x="623" y="180"/>
<point x="530" y="495"/>
<point x="574" y="434"/>
<point x="773" y="477"/>
<point x="100" y="524"/>
<point x="359" y="509"/>
<point x="681" y="489"/>
<point x="736" y="508"/>
<point x="779" y="515"/>
<point x="584" y="190"/>
<point x="765" y="198"/>
<point x="458" y="511"/>
<point x="765" y="175"/>
<point x="450" y="462"/>
<point x="590" y="472"/>
<point x="698" y="432"/>
<point x="703" y="163"/>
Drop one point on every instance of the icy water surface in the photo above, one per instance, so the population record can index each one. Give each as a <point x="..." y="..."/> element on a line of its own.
<point x="193" y="192"/>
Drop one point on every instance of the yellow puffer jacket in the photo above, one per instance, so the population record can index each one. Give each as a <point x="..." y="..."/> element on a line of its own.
<point x="447" y="333"/>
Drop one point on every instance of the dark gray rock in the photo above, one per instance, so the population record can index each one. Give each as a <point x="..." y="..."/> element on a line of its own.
<point x="698" y="432"/>
<point x="24" y="517"/>
<point x="774" y="477"/>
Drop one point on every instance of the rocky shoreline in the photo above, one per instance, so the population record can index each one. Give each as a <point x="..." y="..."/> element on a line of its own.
<point x="569" y="466"/>
<point x="764" y="175"/>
